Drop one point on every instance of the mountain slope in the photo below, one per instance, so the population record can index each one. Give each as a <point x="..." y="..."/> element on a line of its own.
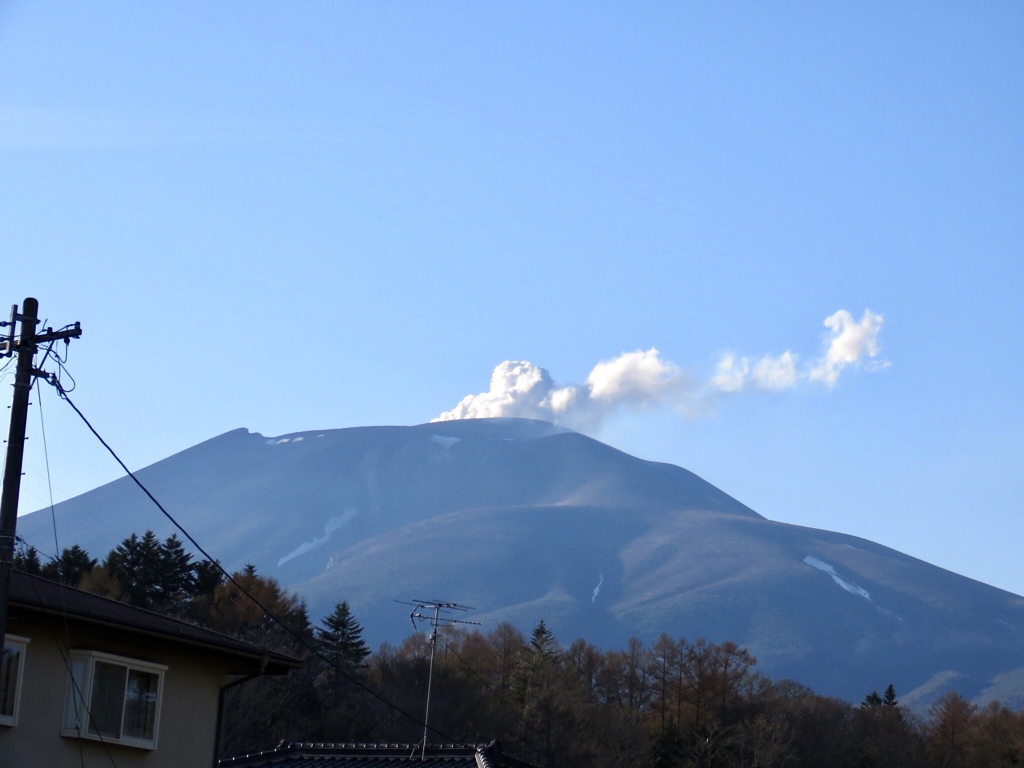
<point x="527" y="521"/>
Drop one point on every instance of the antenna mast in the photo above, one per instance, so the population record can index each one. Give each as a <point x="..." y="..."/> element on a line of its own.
<point x="436" y="620"/>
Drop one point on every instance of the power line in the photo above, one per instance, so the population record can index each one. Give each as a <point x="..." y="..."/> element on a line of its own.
<point x="299" y="638"/>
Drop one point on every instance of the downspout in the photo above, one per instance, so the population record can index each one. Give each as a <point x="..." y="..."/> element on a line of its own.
<point x="220" y="706"/>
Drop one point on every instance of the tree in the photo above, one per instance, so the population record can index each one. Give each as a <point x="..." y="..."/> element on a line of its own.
<point x="100" y="581"/>
<point x="158" y="576"/>
<point x="27" y="561"/>
<point x="1000" y="737"/>
<point x="73" y="563"/>
<point x="884" y="734"/>
<point x="952" y="732"/>
<point x="231" y="611"/>
<point x="177" y="577"/>
<point x="664" y="666"/>
<point x="889" y="698"/>
<point x="542" y="642"/>
<point x="208" y="576"/>
<point x="508" y="643"/>
<point x="538" y="691"/>
<point x="341" y="638"/>
<point x="136" y="564"/>
<point x="871" y="700"/>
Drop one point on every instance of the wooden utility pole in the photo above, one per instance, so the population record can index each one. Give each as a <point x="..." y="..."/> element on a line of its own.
<point x="25" y="343"/>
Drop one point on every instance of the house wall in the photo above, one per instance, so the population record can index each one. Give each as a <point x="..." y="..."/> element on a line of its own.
<point x="188" y="717"/>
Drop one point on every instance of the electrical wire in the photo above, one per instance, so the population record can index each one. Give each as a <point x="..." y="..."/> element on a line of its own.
<point x="56" y="548"/>
<point x="77" y="696"/>
<point x="299" y="638"/>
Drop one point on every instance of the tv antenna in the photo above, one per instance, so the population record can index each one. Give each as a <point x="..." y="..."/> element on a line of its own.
<point x="421" y="612"/>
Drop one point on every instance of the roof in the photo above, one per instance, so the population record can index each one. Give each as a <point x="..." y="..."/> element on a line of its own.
<point x="39" y="595"/>
<point x="325" y="755"/>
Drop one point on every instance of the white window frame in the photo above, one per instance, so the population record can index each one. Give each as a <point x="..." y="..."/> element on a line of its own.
<point x="80" y="696"/>
<point x="21" y="644"/>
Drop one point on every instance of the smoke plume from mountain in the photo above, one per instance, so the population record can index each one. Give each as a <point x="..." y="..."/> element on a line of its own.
<point x="642" y="379"/>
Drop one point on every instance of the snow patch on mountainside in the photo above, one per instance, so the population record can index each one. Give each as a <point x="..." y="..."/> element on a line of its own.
<point x="279" y="440"/>
<point x="308" y="546"/>
<point x="821" y="565"/>
<point x="445" y="442"/>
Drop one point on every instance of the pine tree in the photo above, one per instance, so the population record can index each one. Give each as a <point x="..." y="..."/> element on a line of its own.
<point x="341" y="638"/>
<point x="542" y="641"/>
<point x="207" y="576"/>
<point x="27" y="561"/>
<point x="73" y="563"/>
<point x="176" y="578"/>
<point x="340" y="641"/>
<point x="871" y="700"/>
<point x="539" y="687"/>
<point x="889" y="698"/>
<point x="154" y="575"/>
<point x="137" y="565"/>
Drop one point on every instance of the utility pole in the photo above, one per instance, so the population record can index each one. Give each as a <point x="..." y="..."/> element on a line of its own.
<point x="25" y="344"/>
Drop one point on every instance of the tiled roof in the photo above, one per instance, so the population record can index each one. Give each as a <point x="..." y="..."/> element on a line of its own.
<point x="317" y="755"/>
<point x="39" y="595"/>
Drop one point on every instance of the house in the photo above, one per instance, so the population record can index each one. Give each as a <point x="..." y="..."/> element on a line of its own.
<point x="90" y="681"/>
<point x="302" y="755"/>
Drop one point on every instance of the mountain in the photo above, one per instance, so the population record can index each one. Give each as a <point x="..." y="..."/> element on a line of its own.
<point x="528" y="521"/>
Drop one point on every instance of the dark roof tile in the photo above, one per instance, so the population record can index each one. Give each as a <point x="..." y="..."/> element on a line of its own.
<point x="329" y="755"/>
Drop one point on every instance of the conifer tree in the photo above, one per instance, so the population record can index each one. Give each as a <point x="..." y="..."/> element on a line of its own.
<point x="27" y="561"/>
<point x="73" y="563"/>
<point x="542" y="641"/>
<point x="136" y="563"/>
<point x="207" y="577"/>
<point x="341" y="638"/>
<point x="177" y="573"/>
<point x="889" y="697"/>
<point x="154" y="575"/>
<point x="871" y="700"/>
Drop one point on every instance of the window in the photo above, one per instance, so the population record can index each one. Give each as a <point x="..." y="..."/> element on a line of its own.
<point x="111" y="698"/>
<point x="12" y="667"/>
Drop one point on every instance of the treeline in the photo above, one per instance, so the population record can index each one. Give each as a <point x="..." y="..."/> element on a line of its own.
<point x="675" y="703"/>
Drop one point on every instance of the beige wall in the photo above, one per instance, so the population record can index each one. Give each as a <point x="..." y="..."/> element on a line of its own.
<point x="188" y="718"/>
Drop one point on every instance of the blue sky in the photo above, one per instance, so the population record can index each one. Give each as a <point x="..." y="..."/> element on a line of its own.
<point x="317" y="215"/>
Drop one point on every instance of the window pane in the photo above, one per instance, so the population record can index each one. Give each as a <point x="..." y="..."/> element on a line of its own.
<point x="140" y="704"/>
<point x="9" y="678"/>
<point x="106" y="706"/>
<point x="74" y="706"/>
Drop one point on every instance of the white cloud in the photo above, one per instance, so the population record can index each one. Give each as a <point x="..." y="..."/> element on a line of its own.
<point x="848" y="344"/>
<point x="731" y="373"/>
<point x="641" y="379"/>
<point x="635" y="377"/>
<point x="775" y="373"/>
<point x="771" y="374"/>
